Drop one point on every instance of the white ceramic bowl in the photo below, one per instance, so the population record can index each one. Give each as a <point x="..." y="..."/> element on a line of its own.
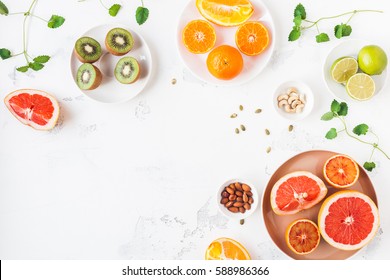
<point x="303" y="89"/>
<point x="238" y="215"/>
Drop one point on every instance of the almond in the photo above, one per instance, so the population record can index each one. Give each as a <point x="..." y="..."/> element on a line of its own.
<point x="224" y="200"/>
<point x="245" y="197"/>
<point x="229" y="204"/>
<point x="230" y="190"/>
<point x="238" y="193"/>
<point x="225" y="194"/>
<point x="250" y="200"/>
<point x="239" y="199"/>
<point x="232" y="197"/>
<point x="238" y="204"/>
<point x="249" y="193"/>
<point x="233" y="209"/>
<point x="246" y="188"/>
<point x="242" y="209"/>
<point x="247" y="206"/>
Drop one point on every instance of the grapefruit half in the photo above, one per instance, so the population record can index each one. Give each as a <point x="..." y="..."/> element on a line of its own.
<point x="341" y="171"/>
<point x="34" y="108"/>
<point x="302" y="236"/>
<point x="297" y="191"/>
<point x="226" y="249"/>
<point x="348" y="220"/>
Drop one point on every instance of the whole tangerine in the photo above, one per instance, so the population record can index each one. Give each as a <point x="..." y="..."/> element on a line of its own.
<point x="225" y="62"/>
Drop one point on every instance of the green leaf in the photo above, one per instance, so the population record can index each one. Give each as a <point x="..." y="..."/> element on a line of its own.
<point x="36" y="66"/>
<point x="113" y="11"/>
<point x="141" y="15"/>
<point x="297" y="21"/>
<point x="55" y="21"/>
<point x="335" y="106"/>
<point x="3" y="9"/>
<point x="369" y="166"/>
<point x="42" y="59"/>
<point x="360" y="129"/>
<point x="342" y="30"/>
<point x="300" y="11"/>
<point x="294" y="34"/>
<point x="327" y="116"/>
<point x="331" y="134"/>
<point x="23" y="69"/>
<point x="5" y="53"/>
<point x="323" y="37"/>
<point x="343" y="109"/>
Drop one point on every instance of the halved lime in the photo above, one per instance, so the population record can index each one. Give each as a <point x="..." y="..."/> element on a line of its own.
<point x="343" y="69"/>
<point x="360" y="86"/>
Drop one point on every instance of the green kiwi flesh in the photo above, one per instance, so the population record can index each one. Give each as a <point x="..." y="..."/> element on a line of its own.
<point x="88" y="77"/>
<point x="119" y="41"/>
<point x="87" y="49"/>
<point x="127" y="70"/>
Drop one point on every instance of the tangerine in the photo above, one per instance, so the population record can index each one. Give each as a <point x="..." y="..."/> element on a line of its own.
<point x="225" y="62"/>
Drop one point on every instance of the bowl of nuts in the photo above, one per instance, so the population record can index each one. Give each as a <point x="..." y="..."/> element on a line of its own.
<point x="293" y="100"/>
<point x="237" y="199"/>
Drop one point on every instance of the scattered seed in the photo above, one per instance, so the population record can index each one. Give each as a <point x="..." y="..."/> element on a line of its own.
<point x="173" y="81"/>
<point x="237" y="131"/>
<point x="258" y="111"/>
<point x="243" y="128"/>
<point x="233" y="116"/>
<point x="241" y="108"/>
<point x="290" y="128"/>
<point x="267" y="132"/>
<point x="242" y="221"/>
<point x="268" y="150"/>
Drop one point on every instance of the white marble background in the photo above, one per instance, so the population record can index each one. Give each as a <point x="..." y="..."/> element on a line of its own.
<point x="138" y="180"/>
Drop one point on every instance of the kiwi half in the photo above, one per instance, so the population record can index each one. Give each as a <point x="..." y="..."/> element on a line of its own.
<point x="119" y="41"/>
<point x="88" y="76"/>
<point x="127" y="70"/>
<point x="87" y="49"/>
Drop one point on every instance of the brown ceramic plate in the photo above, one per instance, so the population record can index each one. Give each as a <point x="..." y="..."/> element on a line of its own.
<point x="312" y="161"/>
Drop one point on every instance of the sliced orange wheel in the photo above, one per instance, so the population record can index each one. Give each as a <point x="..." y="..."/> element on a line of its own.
<point x="225" y="12"/>
<point x="199" y="36"/>
<point x="252" y="38"/>
<point x="226" y="249"/>
<point x="341" y="171"/>
<point x="303" y="236"/>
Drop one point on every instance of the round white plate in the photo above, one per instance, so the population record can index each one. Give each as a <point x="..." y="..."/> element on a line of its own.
<point x="348" y="48"/>
<point x="253" y="65"/>
<point x="110" y="90"/>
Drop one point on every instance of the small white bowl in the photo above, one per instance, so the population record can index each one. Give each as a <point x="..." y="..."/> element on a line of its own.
<point x="303" y="89"/>
<point x="237" y="215"/>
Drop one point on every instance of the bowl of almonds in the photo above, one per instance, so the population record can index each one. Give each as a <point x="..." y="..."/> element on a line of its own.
<point x="237" y="198"/>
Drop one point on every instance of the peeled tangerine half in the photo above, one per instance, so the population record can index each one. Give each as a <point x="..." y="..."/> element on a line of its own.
<point x="34" y="108"/>
<point x="297" y="191"/>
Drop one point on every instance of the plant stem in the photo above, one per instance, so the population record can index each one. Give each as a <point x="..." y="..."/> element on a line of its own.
<point x="101" y="2"/>
<point x="24" y="40"/>
<point x="12" y="14"/>
<point x="32" y="4"/>
<point x="39" y="18"/>
<point x="337" y="16"/>
<point x="372" y="153"/>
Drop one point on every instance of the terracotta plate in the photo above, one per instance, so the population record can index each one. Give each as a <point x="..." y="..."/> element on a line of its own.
<point x="312" y="161"/>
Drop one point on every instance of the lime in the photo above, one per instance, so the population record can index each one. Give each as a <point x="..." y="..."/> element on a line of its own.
<point x="343" y="69"/>
<point x="360" y="86"/>
<point x="372" y="60"/>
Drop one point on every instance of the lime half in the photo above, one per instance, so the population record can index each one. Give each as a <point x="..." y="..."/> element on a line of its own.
<point x="360" y="86"/>
<point x="343" y="69"/>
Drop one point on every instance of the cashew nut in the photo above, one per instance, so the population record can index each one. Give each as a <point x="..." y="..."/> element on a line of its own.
<point x="282" y="103"/>
<point x="283" y="96"/>
<point x="295" y="103"/>
<point x="291" y="99"/>
<point x="291" y="90"/>
<point x="302" y="97"/>
<point x="299" y="108"/>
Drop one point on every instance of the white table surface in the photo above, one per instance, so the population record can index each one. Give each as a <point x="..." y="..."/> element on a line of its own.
<point x="138" y="180"/>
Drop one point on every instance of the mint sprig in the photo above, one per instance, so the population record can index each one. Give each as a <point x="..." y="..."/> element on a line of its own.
<point x="339" y="111"/>
<point x="38" y="62"/>
<point x="340" y="30"/>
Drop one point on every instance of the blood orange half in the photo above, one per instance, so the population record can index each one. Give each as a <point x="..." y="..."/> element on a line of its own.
<point x="302" y="236"/>
<point x="32" y="107"/>
<point x="348" y="220"/>
<point x="341" y="171"/>
<point x="297" y="191"/>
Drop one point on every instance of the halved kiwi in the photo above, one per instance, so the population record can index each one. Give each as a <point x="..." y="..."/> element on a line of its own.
<point x="87" y="49"/>
<point x="119" y="41"/>
<point x="127" y="70"/>
<point x="88" y="76"/>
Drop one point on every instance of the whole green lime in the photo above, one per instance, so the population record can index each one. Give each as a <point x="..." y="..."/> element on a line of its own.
<point x="372" y="60"/>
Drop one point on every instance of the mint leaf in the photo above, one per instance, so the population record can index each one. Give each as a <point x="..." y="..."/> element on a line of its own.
<point x="23" y="69"/>
<point x="338" y="31"/>
<point x="141" y="15"/>
<point x="5" y="53"/>
<point x="113" y="11"/>
<point x="323" y="37"/>
<point x="360" y="129"/>
<point x="297" y="21"/>
<point x="331" y="134"/>
<point x="335" y="106"/>
<point x="347" y="30"/>
<point x="343" y="109"/>
<point x="327" y="116"/>
<point x="300" y="11"/>
<point x="294" y="34"/>
<point x="55" y="21"/>
<point x="3" y="9"/>
<point x="42" y="59"/>
<point x="369" y="166"/>
<point x="36" y="66"/>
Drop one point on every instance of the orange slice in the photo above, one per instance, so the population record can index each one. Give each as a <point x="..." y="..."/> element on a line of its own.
<point x="341" y="171"/>
<point x="302" y="236"/>
<point x="226" y="249"/>
<point x="252" y="38"/>
<point x="199" y="36"/>
<point x="225" y="12"/>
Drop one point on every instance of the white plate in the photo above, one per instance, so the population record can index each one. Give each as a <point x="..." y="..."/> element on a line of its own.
<point x="348" y="48"/>
<point x="110" y="90"/>
<point x="302" y="88"/>
<point x="253" y="65"/>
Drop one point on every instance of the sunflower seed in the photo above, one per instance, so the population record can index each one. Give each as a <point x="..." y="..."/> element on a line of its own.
<point x="241" y="108"/>
<point x="290" y="128"/>
<point x="173" y="81"/>
<point x="258" y="111"/>
<point x="267" y="132"/>
<point x="233" y="116"/>
<point x="243" y="128"/>
<point x="237" y="131"/>
<point x="268" y="150"/>
<point x="242" y="221"/>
